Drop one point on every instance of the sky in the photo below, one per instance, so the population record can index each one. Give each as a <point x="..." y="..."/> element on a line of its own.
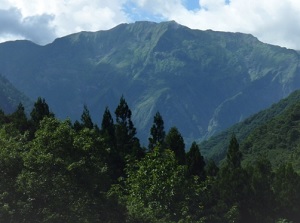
<point x="41" y="21"/>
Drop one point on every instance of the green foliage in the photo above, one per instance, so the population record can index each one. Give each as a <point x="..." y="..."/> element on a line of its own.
<point x="61" y="173"/>
<point x="263" y="197"/>
<point x="234" y="155"/>
<point x="19" y="119"/>
<point x="40" y="111"/>
<point x="175" y="142"/>
<point x="125" y="130"/>
<point x="157" y="132"/>
<point x="156" y="188"/>
<point x="195" y="162"/>
<point x="277" y="139"/>
<point x="86" y="118"/>
<point x="108" y="128"/>
<point x="286" y="186"/>
<point x="233" y="184"/>
<point x="11" y="165"/>
<point x="216" y="146"/>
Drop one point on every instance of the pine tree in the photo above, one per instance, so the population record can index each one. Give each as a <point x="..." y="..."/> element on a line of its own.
<point x="175" y="142"/>
<point x="195" y="162"/>
<point x="40" y="111"/>
<point x="19" y="119"/>
<point x="234" y="186"/>
<point x="86" y="118"/>
<point x="107" y="124"/>
<point x="126" y="145"/>
<point x="108" y="128"/>
<point x="234" y="155"/>
<point x="125" y="130"/>
<point x="157" y="132"/>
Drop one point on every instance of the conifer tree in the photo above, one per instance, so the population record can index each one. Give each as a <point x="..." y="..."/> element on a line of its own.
<point x="174" y="141"/>
<point x="195" y="161"/>
<point x="39" y="111"/>
<point x="157" y="132"/>
<point x="107" y="124"/>
<point x="234" y="185"/>
<point x="86" y="118"/>
<point x="108" y="128"/>
<point x="19" y="119"/>
<point x="125" y="130"/>
<point x="234" y="155"/>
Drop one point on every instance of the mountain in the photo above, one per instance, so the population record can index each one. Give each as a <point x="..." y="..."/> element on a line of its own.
<point x="200" y="81"/>
<point x="252" y="131"/>
<point x="10" y="97"/>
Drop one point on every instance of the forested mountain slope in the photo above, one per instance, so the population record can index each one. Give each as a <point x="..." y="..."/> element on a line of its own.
<point x="200" y="81"/>
<point x="278" y="139"/>
<point x="216" y="146"/>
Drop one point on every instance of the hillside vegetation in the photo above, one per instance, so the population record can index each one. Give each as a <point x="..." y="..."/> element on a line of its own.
<point x="216" y="146"/>
<point x="59" y="171"/>
<point x="278" y="139"/>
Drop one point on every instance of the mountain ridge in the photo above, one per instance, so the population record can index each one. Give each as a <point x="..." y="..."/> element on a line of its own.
<point x="200" y="81"/>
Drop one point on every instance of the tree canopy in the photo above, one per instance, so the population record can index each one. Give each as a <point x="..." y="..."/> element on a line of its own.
<point x="53" y="171"/>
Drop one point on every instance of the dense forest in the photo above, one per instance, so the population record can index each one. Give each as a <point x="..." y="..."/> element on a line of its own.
<point x="60" y="171"/>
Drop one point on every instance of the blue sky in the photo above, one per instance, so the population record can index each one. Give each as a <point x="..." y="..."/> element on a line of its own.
<point x="41" y="21"/>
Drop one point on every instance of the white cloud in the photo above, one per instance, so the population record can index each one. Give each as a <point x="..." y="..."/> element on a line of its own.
<point x="13" y="26"/>
<point x="60" y="17"/>
<point x="274" y="22"/>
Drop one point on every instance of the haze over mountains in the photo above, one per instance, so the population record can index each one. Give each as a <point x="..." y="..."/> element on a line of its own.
<point x="200" y="81"/>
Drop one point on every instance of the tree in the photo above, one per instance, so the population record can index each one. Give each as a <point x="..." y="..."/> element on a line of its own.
<point x="108" y="128"/>
<point x="19" y="119"/>
<point x="11" y="165"/>
<point x="65" y="176"/>
<point x="175" y="142"/>
<point x="263" y="199"/>
<point x="155" y="188"/>
<point x="195" y="162"/>
<point x="40" y="111"/>
<point x="234" y="186"/>
<point x="234" y="155"/>
<point x="86" y="118"/>
<point x="157" y="132"/>
<point x="126" y="141"/>
<point x="286" y="187"/>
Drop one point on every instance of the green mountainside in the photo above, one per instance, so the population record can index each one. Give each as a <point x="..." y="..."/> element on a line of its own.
<point x="200" y="81"/>
<point x="278" y="139"/>
<point x="273" y="133"/>
<point x="10" y="97"/>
